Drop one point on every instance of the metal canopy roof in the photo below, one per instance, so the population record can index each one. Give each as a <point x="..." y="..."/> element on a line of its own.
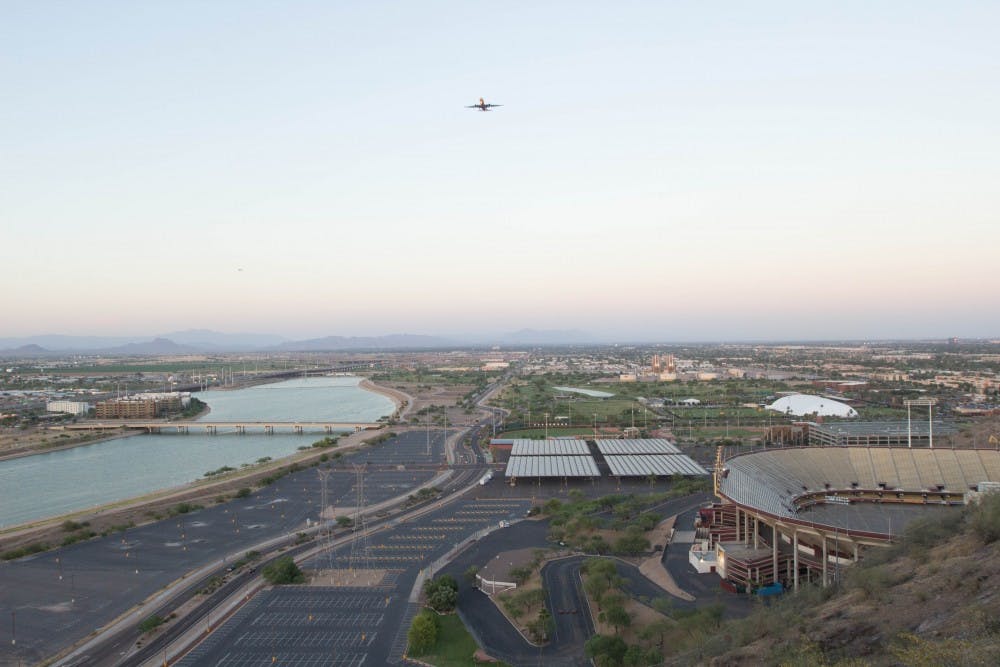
<point x="552" y="466"/>
<point x="640" y="465"/>
<point x="638" y="446"/>
<point x="523" y="447"/>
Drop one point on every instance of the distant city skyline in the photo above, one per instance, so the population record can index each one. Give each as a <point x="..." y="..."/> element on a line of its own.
<point x="659" y="171"/>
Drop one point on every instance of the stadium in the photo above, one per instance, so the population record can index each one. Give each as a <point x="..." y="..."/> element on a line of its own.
<point x="792" y="515"/>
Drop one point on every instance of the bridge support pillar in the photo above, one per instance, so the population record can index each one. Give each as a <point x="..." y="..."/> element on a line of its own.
<point x="268" y="429"/>
<point x="211" y="430"/>
<point x="241" y="429"/>
<point x="328" y="429"/>
<point x="298" y="429"/>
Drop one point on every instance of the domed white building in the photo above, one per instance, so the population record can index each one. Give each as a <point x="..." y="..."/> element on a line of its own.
<point x="805" y="404"/>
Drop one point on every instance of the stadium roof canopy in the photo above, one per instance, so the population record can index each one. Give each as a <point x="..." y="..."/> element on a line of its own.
<point x="524" y="447"/>
<point x="636" y="465"/>
<point x="806" y="404"/>
<point x="643" y="446"/>
<point x="552" y="466"/>
<point x="917" y="427"/>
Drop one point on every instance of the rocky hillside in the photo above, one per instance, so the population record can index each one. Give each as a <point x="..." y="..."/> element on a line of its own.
<point x="933" y="599"/>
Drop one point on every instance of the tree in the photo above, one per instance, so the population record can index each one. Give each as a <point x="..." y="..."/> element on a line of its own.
<point x="606" y="651"/>
<point x="616" y="616"/>
<point x="520" y="574"/>
<point x="283" y="571"/>
<point x="442" y="593"/>
<point x="596" y="587"/>
<point x="602" y="567"/>
<point x="637" y="656"/>
<point x="657" y="630"/>
<point x="423" y="633"/>
<point x="599" y="545"/>
<point x="631" y="544"/>
<point x="541" y="627"/>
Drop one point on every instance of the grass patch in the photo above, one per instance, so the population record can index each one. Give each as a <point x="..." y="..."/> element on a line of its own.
<point x="454" y="646"/>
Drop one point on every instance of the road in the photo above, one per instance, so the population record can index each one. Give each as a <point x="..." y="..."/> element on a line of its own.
<point x="60" y="597"/>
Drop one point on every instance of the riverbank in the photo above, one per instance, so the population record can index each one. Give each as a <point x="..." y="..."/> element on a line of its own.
<point x="157" y="504"/>
<point x="116" y="516"/>
<point x="402" y="400"/>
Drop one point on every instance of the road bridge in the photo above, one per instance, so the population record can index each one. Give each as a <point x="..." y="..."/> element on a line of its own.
<point x="213" y="427"/>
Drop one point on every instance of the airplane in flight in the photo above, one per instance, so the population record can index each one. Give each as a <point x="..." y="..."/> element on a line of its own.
<point x="483" y="106"/>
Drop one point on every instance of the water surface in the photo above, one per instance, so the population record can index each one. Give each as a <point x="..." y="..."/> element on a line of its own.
<point x="43" y="485"/>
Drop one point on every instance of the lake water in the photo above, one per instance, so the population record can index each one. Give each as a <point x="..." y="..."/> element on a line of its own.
<point x="43" y="485"/>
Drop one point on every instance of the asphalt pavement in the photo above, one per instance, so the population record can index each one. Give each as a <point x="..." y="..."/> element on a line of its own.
<point x="309" y="626"/>
<point x="51" y="600"/>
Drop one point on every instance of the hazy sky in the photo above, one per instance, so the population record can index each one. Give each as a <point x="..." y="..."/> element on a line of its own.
<point x="669" y="170"/>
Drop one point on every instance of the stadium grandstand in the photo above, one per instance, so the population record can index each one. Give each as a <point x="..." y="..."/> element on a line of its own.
<point x="878" y="434"/>
<point x="799" y="514"/>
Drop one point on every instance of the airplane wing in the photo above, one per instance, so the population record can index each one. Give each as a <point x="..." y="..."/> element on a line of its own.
<point x="490" y="106"/>
<point x="472" y="106"/>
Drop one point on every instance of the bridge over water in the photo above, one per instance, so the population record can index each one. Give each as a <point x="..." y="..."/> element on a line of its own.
<point x="213" y="427"/>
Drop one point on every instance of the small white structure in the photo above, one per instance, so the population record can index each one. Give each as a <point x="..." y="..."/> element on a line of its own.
<point x="690" y="401"/>
<point x="806" y="404"/>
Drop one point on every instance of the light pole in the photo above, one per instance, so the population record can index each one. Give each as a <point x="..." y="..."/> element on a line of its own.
<point x="595" y="426"/>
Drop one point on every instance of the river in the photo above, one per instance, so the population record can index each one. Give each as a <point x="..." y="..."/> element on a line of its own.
<point x="54" y="483"/>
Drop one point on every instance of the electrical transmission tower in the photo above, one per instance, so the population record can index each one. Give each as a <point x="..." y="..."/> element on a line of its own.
<point x="360" y="558"/>
<point x="326" y="523"/>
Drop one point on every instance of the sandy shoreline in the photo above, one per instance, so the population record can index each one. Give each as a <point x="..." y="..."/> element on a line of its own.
<point x="200" y="487"/>
<point x="402" y="401"/>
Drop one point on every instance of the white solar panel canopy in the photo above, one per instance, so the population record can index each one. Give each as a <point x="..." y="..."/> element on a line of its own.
<point x="524" y="447"/>
<point x="641" y="465"/>
<point x="551" y="466"/>
<point x="639" y="446"/>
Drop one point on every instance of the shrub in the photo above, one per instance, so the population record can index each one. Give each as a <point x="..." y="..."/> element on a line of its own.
<point x="36" y="548"/>
<point x="520" y="574"/>
<point x="184" y="508"/>
<point x="985" y="519"/>
<point x="151" y="623"/>
<point x="283" y="571"/>
<point x="423" y="633"/>
<point x="243" y="492"/>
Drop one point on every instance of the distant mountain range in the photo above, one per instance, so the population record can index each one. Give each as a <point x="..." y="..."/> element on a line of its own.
<point x="200" y="341"/>
<point x="390" y="342"/>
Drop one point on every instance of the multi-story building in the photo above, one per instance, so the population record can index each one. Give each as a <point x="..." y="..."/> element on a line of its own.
<point x="70" y="407"/>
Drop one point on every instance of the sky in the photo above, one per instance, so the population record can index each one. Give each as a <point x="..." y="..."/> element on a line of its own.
<point x="659" y="170"/>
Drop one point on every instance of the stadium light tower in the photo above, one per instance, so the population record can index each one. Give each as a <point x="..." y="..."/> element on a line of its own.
<point x="930" y="403"/>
